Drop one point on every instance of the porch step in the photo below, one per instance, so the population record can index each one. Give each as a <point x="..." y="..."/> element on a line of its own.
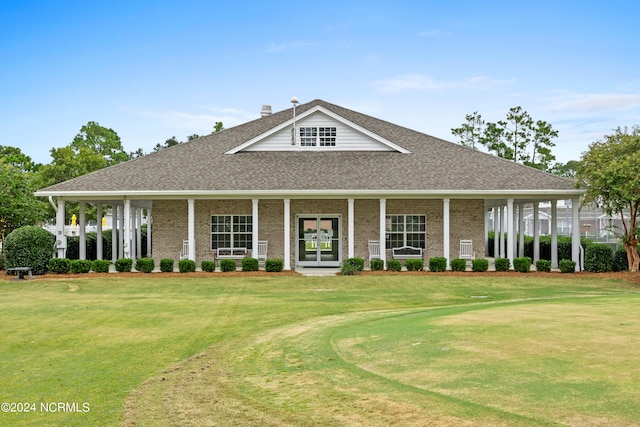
<point x="318" y="271"/>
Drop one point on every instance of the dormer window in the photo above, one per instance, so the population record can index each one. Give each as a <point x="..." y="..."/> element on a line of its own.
<point x="317" y="136"/>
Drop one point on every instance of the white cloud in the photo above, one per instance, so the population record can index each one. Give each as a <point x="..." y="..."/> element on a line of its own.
<point x="422" y="82"/>
<point x="597" y="102"/>
<point x="279" y="47"/>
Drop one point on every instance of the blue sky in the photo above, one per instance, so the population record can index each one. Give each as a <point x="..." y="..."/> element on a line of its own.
<point x="151" y="70"/>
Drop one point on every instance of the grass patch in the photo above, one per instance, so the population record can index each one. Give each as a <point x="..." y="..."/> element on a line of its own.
<point x="298" y="350"/>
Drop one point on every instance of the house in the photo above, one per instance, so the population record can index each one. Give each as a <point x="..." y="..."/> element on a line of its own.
<point x="317" y="181"/>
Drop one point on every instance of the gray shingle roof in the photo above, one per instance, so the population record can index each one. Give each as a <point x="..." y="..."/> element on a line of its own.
<point x="200" y="166"/>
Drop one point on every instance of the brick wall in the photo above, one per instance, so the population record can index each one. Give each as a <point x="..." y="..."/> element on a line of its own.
<point x="170" y="223"/>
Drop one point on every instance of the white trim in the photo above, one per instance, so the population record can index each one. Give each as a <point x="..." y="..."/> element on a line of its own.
<point x="309" y="112"/>
<point x="383" y="231"/>
<point x="191" y="228"/>
<point x="446" y="230"/>
<point x="351" y="227"/>
<point x="287" y="234"/>
<point x="510" y="230"/>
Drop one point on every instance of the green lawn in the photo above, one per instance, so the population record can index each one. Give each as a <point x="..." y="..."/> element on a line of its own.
<point x="287" y="350"/>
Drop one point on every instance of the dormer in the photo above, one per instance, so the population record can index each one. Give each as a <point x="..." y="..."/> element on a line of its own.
<point x="318" y="129"/>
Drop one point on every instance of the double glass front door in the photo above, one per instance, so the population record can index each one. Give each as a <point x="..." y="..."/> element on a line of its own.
<point x="319" y="241"/>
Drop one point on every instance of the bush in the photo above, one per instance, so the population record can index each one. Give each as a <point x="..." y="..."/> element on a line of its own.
<point x="502" y="264"/>
<point x="166" y="265"/>
<point x="522" y="265"/>
<point x="394" y="265"/>
<point x="208" y="266"/>
<point x="357" y="263"/>
<point x="146" y="265"/>
<point x="59" y="265"/>
<point x="187" y="266"/>
<point x="273" y="265"/>
<point x="348" y="268"/>
<point x="1" y="261"/>
<point x="377" y="265"/>
<point x="123" y="265"/>
<point x="620" y="262"/>
<point x="414" y="264"/>
<point x="543" y="265"/>
<point x="437" y="264"/>
<point x="567" y="266"/>
<point x="100" y="266"/>
<point x="80" y="266"/>
<point x="250" y="264"/>
<point x="480" y="265"/>
<point x="28" y="247"/>
<point x="598" y="258"/>
<point x="459" y="264"/>
<point x="227" y="265"/>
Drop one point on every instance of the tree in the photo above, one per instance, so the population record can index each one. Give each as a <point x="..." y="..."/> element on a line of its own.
<point x="100" y="140"/>
<point x="14" y="156"/>
<point x="69" y="163"/>
<point x="18" y="206"/>
<point x="567" y="170"/>
<point x="218" y="127"/>
<point x="517" y="138"/>
<point x="610" y="171"/>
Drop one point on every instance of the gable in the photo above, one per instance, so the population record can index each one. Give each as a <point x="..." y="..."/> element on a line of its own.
<point x="318" y="129"/>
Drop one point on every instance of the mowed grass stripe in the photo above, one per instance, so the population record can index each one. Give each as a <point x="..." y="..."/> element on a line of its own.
<point x="564" y="361"/>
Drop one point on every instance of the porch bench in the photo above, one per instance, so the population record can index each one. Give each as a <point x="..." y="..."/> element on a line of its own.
<point x="21" y="271"/>
<point x="231" y="253"/>
<point x="406" y="252"/>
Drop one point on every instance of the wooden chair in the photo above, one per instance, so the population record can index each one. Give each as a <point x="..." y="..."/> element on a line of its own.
<point x="466" y="250"/>
<point x="263" y="245"/>
<point x="374" y="249"/>
<point x="185" y="250"/>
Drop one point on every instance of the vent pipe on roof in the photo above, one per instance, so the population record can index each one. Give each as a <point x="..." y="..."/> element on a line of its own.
<point x="266" y="111"/>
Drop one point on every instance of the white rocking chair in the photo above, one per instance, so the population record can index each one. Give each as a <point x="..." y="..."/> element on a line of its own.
<point x="185" y="250"/>
<point x="263" y="245"/>
<point x="374" y="249"/>
<point x="466" y="250"/>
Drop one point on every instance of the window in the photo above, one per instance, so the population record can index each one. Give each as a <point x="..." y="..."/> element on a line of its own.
<point x="317" y="136"/>
<point x="231" y="231"/>
<point x="406" y="230"/>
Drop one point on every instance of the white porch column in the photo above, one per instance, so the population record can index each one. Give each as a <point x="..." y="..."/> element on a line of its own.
<point x="254" y="228"/>
<point x="287" y="234"/>
<point x="486" y="230"/>
<point x="134" y="228"/>
<point x="82" y="220"/>
<point x="99" y="231"/>
<point x="446" y="230"/>
<point x="122" y="237"/>
<point x="139" y="232"/>
<point x="503" y="215"/>
<point x="191" y="230"/>
<point x="536" y="232"/>
<point x="351" y="228"/>
<point x="521" y="230"/>
<point x="126" y="222"/>
<point x="61" y="239"/>
<point x="114" y="233"/>
<point x="383" y="231"/>
<point x="554" y="234"/>
<point x="149" y="249"/>
<point x="496" y="232"/>
<point x="510" y="230"/>
<point x="575" y="232"/>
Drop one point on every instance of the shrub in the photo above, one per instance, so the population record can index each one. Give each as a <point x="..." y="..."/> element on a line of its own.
<point x="250" y="264"/>
<point x="598" y="258"/>
<point x="1" y="261"/>
<point x="437" y="264"/>
<point x="59" y="265"/>
<point x="123" y="265"/>
<point x="414" y="264"/>
<point x="146" y="265"/>
<point x="502" y="264"/>
<point x="377" y="265"/>
<point x="522" y="265"/>
<point x="348" y="268"/>
<point x="543" y="265"/>
<point x="28" y="247"/>
<point x="394" y="265"/>
<point x="227" y="265"/>
<point x="357" y="263"/>
<point x="459" y="264"/>
<point x="273" y="265"/>
<point x="187" y="266"/>
<point x="567" y="266"/>
<point x="208" y="266"/>
<point x="620" y="262"/>
<point x="100" y="266"/>
<point x="166" y="265"/>
<point x="480" y="265"/>
<point x="80" y="266"/>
